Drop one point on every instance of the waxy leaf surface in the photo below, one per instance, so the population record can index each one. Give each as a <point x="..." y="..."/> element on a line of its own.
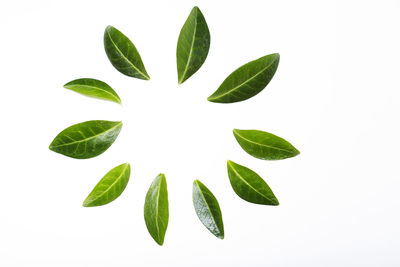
<point x="193" y="45"/>
<point x="93" y="88"/>
<point x="87" y="139"/>
<point x="110" y="186"/>
<point x="123" y="55"/>
<point x="156" y="209"/>
<point x="207" y="209"/>
<point x="264" y="145"/>
<point x="246" y="81"/>
<point x="250" y="186"/>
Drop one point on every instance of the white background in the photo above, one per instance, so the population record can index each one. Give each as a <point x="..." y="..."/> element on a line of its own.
<point x="335" y="97"/>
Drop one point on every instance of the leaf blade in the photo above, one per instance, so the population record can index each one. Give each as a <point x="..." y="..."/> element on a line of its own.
<point x="123" y="54"/>
<point x="193" y="45"/>
<point x="156" y="212"/>
<point x="263" y="145"/>
<point x="86" y="139"/>
<point x="110" y="187"/>
<point x="207" y="209"/>
<point x="249" y="186"/>
<point x="93" y="88"/>
<point x="246" y="81"/>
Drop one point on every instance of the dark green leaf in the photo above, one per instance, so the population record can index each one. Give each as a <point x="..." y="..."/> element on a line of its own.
<point x="93" y="88"/>
<point x="87" y="139"/>
<point x="250" y="186"/>
<point x="246" y="81"/>
<point x="193" y="45"/>
<point x="207" y="209"/>
<point x="264" y="145"/>
<point x="110" y="186"/>
<point x="156" y="209"/>
<point x="123" y="54"/>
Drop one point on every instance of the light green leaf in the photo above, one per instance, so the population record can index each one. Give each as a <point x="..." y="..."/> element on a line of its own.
<point x="193" y="45"/>
<point x="87" y="139"/>
<point x="246" y="81"/>
<point x="93" y="88"/>
<point x="156" y="209"/>
<point x="207" y="209"/>
<point x="264" y="145"/>
<point x="110" y="186"/>
<point x="123" y="55"/>
<point x="250" y="186"/>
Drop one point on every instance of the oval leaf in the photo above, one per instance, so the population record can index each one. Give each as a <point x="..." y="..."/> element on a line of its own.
<point x="207" y="209"/>
<point x="87" y="139"/>
<point x="250" y="186"/>
<point x="110" y="186"/>
<point x="156" y="209"/>
<point x="93" y="88"/>
<point x="193" y="45"/>
<point x="246" y="81"/>
<point x="264" y="145"/>
<point x="123" y="55"/>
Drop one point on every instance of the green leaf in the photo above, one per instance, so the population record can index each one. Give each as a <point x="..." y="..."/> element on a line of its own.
<point x="264" y="145"/>
<point x="123" y="55"/>
<point x="87" y="139"/>
<point x="250" y="186"/>
<point x="93" y="88"/>
<point x="207" y="209"/>
<point x="110" y="186"/>
<point x="156" y="209"/>
<point x="246" y="81"/>
<point x="193" y="45"/>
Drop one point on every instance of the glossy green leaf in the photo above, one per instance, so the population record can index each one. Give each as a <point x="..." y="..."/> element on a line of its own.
<point x="87" y="139"/>
<point x="93" y="88"/>
<point x="207" y="209"/>
<point x="156" y="209"/>
<point x="123" y="55"/>
<point x="264" y="145"/>
<point x="110" y="186"/>
<point x="250" y="186"/>
<point x="193" y="45"/>
<point x="246" y="81"/>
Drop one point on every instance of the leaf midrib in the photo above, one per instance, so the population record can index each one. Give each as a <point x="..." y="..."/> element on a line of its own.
<point x="246" y="81"/>
<point x="158" y="197"/>
<point x="122" y="54"/>
<point x="191" y="51"/>
<point x="241" y="178"/>
<point x="250" y="141"/>
<point x="88" y="138"/>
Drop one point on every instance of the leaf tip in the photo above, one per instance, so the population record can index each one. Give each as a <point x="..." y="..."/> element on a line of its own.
<point x="88" y="203"/>
<point x="159" y="242"/>
<point x="211" y="99"/>
<point x="84" y="204"/>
